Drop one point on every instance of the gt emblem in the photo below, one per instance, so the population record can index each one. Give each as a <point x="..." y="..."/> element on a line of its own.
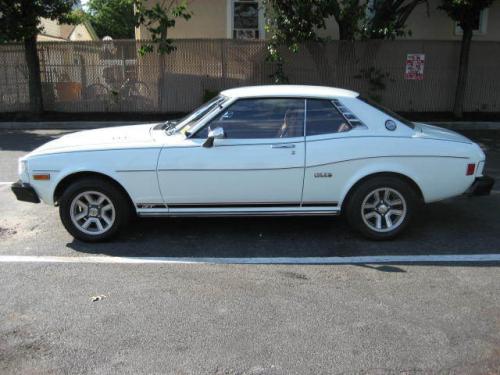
<point x="322" y="174"/>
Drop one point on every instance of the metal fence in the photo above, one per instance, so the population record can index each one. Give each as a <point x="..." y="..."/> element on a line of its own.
<point x="113" y="77"/>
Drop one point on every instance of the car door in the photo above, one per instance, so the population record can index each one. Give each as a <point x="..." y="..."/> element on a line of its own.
<point x="259" y="162"/>
<point x="329" y="138"/>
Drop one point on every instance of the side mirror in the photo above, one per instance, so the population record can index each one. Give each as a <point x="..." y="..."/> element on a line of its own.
<point x="217" y="133"/>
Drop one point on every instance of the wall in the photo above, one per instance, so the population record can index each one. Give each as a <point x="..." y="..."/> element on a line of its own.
<point x="438" y="26"/>
<point x="80" y="33"/>
<point x="210" y="19"/>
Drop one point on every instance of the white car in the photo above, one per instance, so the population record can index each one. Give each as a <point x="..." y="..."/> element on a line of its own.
<point x="265" y="150"/>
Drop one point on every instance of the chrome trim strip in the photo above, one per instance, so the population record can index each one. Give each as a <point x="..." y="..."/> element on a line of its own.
<point x="134" y="170"/>
<point x="151" y="206"/>
<point x="233" y="205"/>
<point x="240" y="213"/>
<point x="319" y="204"/>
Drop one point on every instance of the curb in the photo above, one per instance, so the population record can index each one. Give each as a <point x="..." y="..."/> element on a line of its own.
<point x="84" y="125"/>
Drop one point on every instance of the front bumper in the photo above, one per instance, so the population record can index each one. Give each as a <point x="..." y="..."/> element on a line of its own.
<point x="481" y="186"/>
<point x="24" y="192"/>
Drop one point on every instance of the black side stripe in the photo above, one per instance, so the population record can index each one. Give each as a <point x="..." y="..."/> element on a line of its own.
<point x="238" y="205"/>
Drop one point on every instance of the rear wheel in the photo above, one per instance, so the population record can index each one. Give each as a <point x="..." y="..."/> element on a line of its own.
<point x="382" y="207"/>
<point x="93" y="209"/>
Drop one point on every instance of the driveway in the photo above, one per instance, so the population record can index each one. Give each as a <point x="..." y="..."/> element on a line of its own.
<point x="198" y="316"/>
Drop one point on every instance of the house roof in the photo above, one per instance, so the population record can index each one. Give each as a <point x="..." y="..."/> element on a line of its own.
<point x="289" y="91"/>
<point x="53" y="30"/>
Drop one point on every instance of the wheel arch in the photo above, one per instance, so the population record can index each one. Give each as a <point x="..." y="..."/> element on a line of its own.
<point x="63" y="184"/>
<point x="402" y="176"/>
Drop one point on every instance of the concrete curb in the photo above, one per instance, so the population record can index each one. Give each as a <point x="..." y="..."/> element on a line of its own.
<point x="82" y="125"/>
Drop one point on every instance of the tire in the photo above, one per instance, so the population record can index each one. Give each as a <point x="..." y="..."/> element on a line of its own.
<point x="93" y="209"/>
<point x="380" y="208"/>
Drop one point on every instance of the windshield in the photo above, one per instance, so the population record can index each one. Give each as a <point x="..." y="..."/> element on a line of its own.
<point x="186" y="123"/>
<point x="388" y="111"/>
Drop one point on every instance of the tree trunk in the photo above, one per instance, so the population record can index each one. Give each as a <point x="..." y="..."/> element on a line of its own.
<point x="345" y="54"/>
<point x="34" y="81"/>
<point x="162" y="100"/>
<point x="463" y="69"/>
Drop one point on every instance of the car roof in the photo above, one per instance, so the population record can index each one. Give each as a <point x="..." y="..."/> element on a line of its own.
<point x="289" y="91"/>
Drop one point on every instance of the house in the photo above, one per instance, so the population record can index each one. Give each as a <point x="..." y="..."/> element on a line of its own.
<point x="244" y="19"/>
<point x="53" y="31"/>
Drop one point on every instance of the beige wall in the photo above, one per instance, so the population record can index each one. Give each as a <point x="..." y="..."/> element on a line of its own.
<point x="80" y="33"/>
<point x="438" y="26"/>
<point x="53" y="31"/>
<point x="208" y="21"/>
<point x="210" y="18"/>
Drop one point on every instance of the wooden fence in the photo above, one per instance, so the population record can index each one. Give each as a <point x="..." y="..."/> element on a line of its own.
<point x="113" y="77"/>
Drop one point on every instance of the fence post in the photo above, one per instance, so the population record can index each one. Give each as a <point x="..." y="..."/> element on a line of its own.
<point x="223" y="63"/>
<point x="83" y="74"/>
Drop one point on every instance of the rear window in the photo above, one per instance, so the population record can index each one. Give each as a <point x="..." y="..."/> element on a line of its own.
<point x="387" y="111"/>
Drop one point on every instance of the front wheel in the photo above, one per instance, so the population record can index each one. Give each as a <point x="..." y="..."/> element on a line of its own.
<point x="93" y="210"/>
<point x="382" y="207"/>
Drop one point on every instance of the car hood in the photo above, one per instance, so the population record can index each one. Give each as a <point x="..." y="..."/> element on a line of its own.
<point x="99" y="139"/>
<point x="436" y="132"/>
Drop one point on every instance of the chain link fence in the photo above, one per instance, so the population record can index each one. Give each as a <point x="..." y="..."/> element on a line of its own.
<point x="111" y="76"/>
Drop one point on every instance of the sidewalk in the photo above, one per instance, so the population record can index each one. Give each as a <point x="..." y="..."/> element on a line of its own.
<point x="82" y="125"/>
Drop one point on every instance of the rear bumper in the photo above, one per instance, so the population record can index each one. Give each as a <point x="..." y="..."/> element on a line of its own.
<point x="481" y="186"/>
<point x="24" y="192"/>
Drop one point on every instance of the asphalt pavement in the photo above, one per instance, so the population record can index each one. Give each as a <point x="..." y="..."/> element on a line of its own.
<point x="396" y="318"/>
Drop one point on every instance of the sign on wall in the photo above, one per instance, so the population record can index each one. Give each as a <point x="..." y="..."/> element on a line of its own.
<point x="415" y="66"/>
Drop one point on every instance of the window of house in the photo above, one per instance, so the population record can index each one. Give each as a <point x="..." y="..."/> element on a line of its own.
<point x="260" y="118"/>
<point x="480" y="23"/>
<point x="323" y="118"/>
<point x="245" y="19"/>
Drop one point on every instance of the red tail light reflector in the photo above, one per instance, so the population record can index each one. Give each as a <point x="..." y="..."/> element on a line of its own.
<point x="41" y="177"/>
<point x="470" y="169"/>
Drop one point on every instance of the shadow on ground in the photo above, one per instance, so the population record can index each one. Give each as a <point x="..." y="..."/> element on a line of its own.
<point x="458" y="226"/>
<point x="26" y="140"/>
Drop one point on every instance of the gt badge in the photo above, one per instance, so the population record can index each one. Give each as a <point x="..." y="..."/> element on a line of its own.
<point x="322" y="174"/>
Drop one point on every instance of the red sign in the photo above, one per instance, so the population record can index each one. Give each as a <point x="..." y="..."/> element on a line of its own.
<point x="415" y="66"/>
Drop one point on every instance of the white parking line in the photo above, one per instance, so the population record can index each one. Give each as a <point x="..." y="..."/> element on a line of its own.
<point x="472" y="258"/>
<point x="6" y="183"/>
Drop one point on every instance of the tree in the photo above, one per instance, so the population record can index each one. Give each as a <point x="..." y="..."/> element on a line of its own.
<point x="20" y="21"/>
<point x="157" y="20"/>
<point x="114" y="18"/>
<point x="466" y="14"/>
<point x="293" y="22"/>
<point x="387" y="18"/>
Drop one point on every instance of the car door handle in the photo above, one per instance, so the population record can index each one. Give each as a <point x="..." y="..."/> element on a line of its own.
<point x="283" y="145"/>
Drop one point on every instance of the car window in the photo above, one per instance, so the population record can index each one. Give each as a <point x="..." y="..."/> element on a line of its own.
<point x="186" y="123"/>
<point x="323" y="118"/>
<point x="351" y="118"/>
<point x="260" y="118"/>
